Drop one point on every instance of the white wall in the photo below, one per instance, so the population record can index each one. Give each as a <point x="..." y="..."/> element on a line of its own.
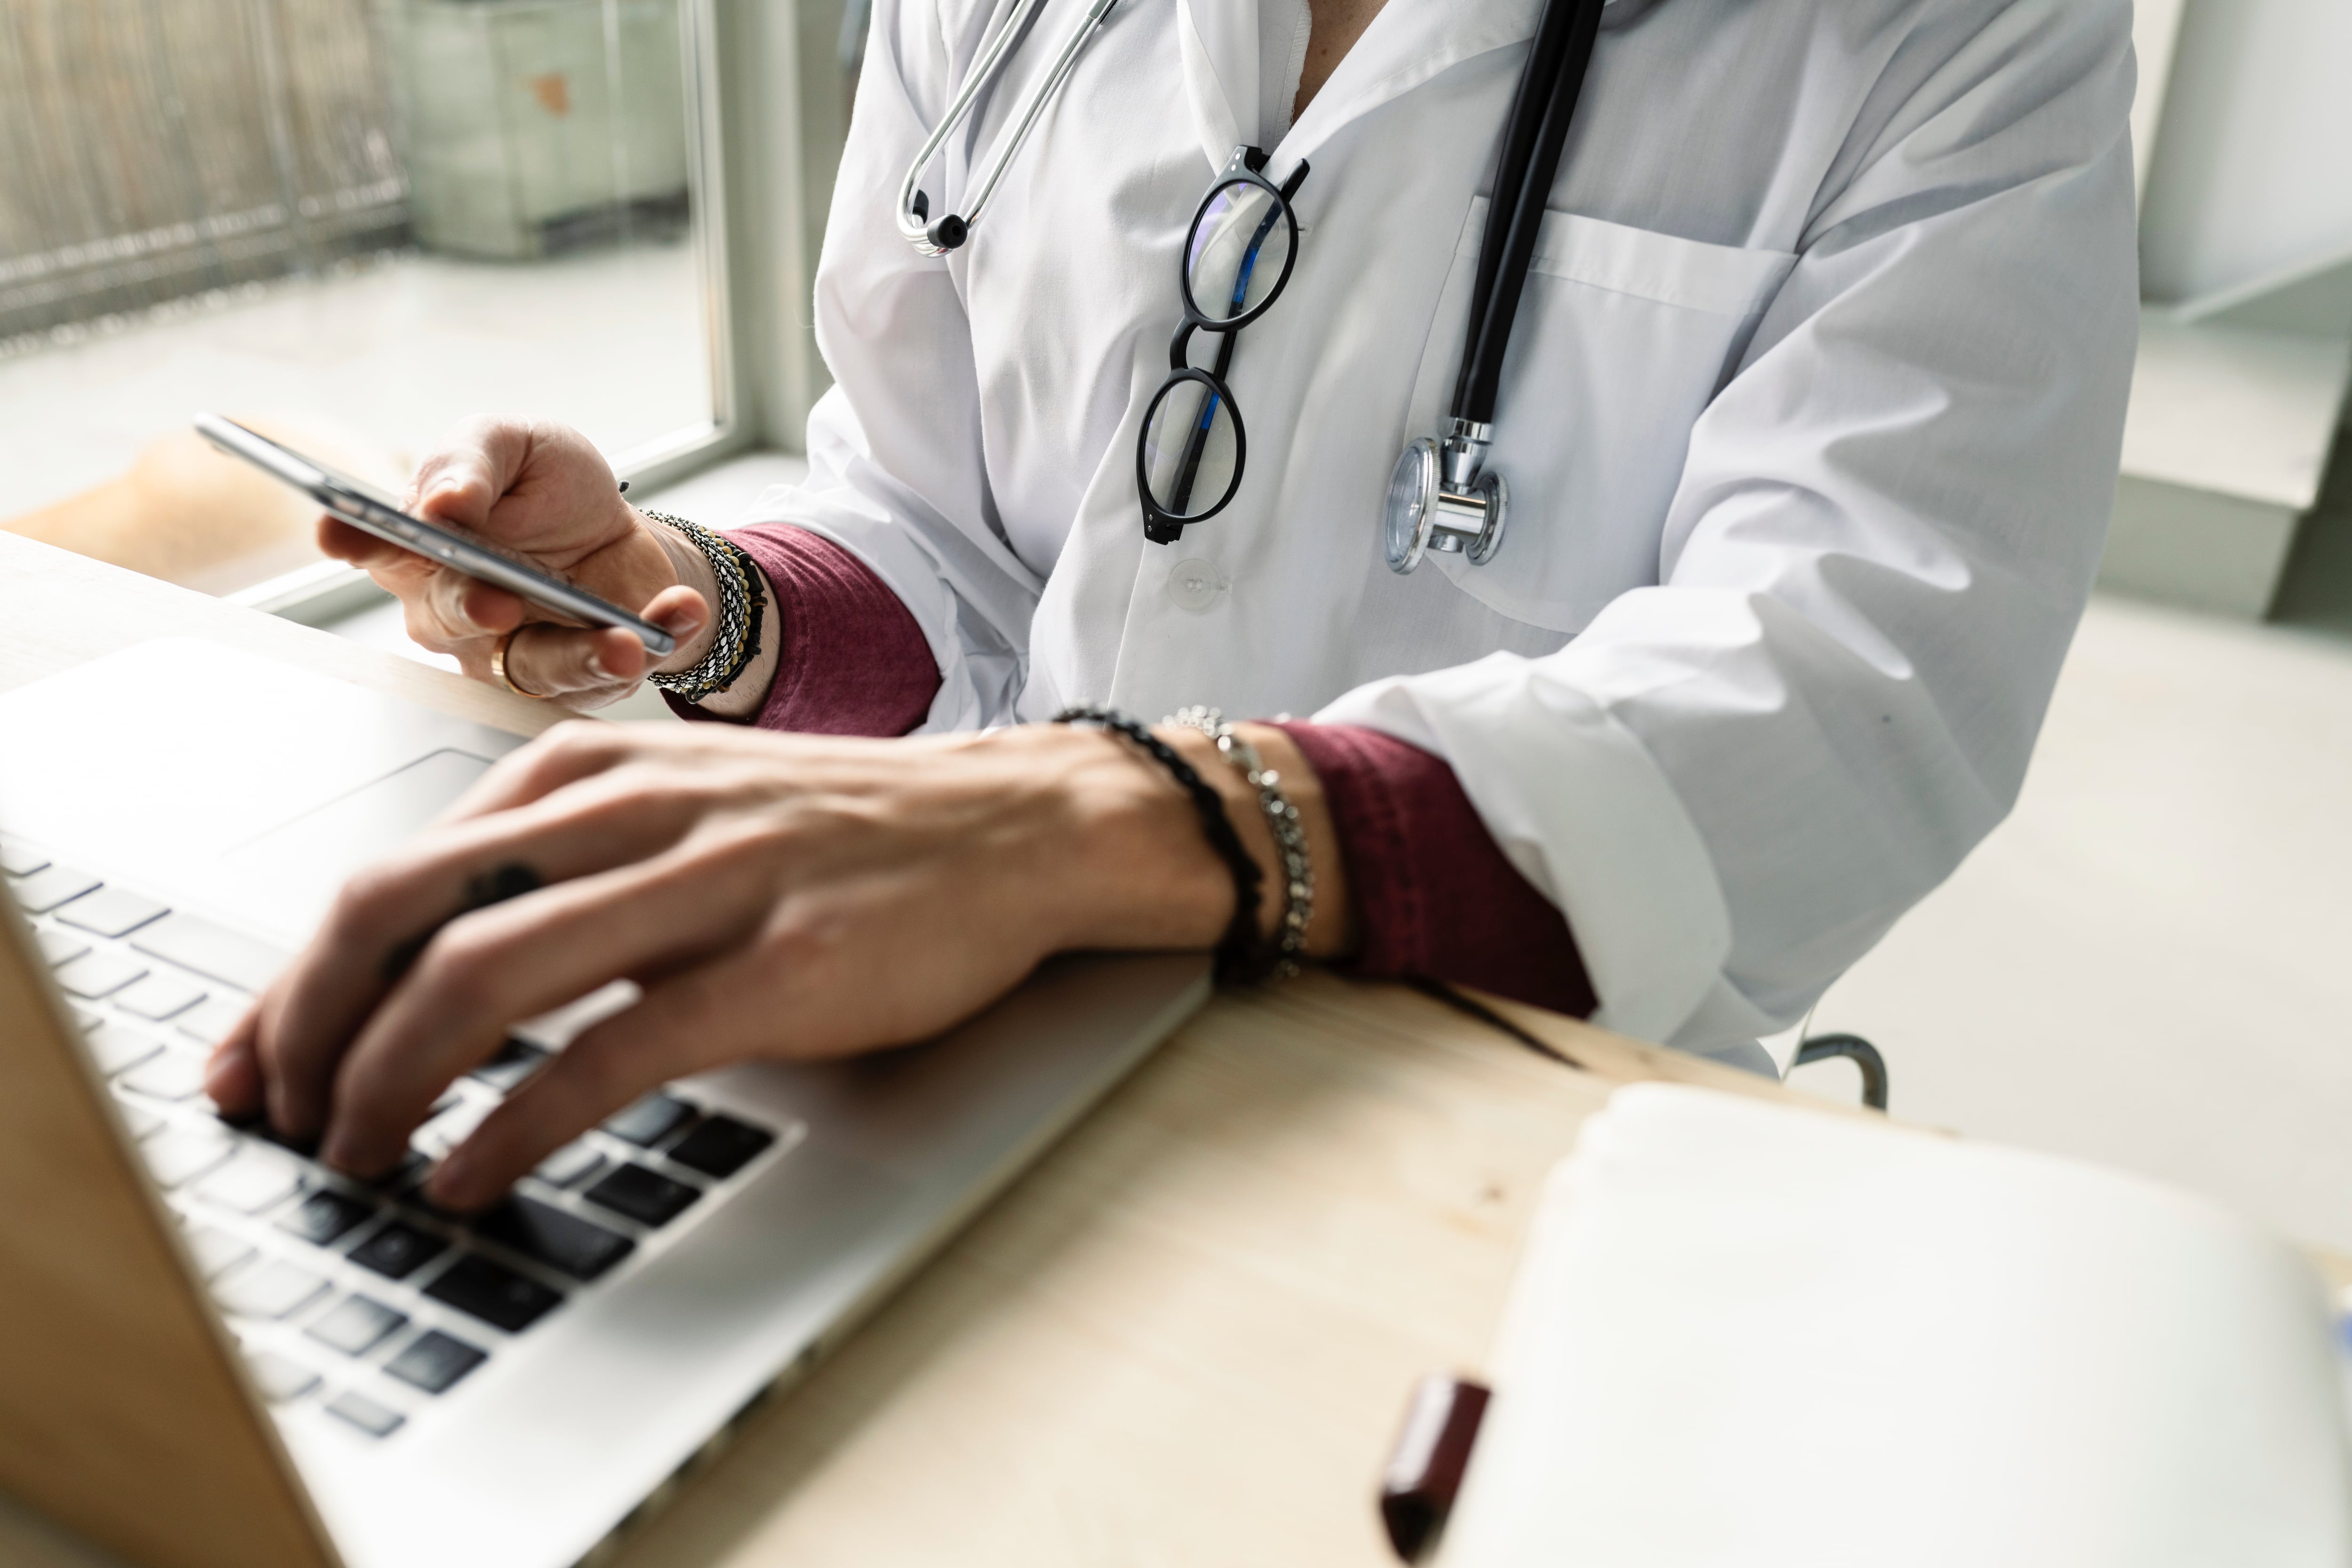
<point x="2253" y="166"/>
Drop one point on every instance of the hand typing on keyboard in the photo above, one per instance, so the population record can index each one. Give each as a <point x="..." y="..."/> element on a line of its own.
<point x="773" y="895"/>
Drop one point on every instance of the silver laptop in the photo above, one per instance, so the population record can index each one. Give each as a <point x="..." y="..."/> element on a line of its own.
<point x="504" y="1391"/>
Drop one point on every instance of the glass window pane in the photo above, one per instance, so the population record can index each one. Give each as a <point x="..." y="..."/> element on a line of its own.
<point x="349" y="223"/>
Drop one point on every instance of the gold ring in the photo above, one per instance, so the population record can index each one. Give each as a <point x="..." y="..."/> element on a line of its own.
<point x="498" y="668"/>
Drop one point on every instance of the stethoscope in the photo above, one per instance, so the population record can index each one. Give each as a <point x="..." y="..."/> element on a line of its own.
<point x="1440" y="496"/>
<point x="939" y="236"/>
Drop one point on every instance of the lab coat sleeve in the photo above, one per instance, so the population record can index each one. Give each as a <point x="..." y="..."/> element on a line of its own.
<point x="896" y="471"/>
<point x="1885" y="529"/>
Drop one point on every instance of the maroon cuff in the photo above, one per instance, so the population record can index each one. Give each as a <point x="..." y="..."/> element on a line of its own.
<point x="852" y="661"/>
<point x="1433" y="895"/>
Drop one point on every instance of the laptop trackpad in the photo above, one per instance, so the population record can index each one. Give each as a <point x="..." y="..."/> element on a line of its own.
<point x="287" y="875"/>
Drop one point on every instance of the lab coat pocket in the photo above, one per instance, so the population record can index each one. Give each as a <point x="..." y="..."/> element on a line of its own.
<point x="1623" y="338"/>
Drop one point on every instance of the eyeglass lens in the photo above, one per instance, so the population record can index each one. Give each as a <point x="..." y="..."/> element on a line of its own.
<point x="1238" y="251"/>
<point x="1189" y="449"/>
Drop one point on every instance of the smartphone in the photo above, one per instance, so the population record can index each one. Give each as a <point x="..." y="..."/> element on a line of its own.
<point x="375" y="514"/>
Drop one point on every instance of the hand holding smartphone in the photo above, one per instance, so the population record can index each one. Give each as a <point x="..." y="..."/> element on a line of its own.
<point x="375" y="513"/>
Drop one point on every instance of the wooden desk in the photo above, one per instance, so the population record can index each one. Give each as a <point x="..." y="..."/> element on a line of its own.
<point x="1186" y="1336"/>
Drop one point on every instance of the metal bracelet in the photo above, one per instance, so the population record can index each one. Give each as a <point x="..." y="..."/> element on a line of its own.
<point x="743" y="601"/>
<point x="1289" y="835"/>
<point x="1237" y="950"/>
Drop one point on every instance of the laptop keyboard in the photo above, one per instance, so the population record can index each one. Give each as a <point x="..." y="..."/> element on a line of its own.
<point x="360" y="1297"/>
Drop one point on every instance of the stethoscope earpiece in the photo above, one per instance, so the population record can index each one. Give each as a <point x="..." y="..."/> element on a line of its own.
<point x="947" y="234"/>
<point x="914" y="206"/>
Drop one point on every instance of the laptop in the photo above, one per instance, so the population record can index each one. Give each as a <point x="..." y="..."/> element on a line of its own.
<point x="215" y="1351"/>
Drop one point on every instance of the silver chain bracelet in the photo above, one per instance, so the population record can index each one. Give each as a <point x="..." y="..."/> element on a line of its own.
<point x="1282" y="817"/>
<point x="743" y="599"/>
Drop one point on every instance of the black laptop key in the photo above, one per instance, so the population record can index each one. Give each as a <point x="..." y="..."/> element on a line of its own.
<point x="650" y="1120"/>
<point x="398" y="1250"/>
<point x="412" y="1169"/>
<point x="645" y="1196"/>
<point x="358" y="1325"/>
<point x="307" y="1145"/>
<point x="322" y="1215"/>
<point x="494" y="1293"/>
<point x="545" y="1233"/>
<point x="720" y="1146"/>
<point x="213" y="951"/>
<point x="515" y="1062"/>
<point x="435" y="1360"/>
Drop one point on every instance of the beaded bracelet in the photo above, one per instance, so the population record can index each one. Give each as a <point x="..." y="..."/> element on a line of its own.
<point x="1282" y="819"/>
<point x="1237" y="950"/>
<point x="743" y="600"/>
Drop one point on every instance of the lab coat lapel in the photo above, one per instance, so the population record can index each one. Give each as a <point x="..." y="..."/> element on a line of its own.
<point x="1219" y="42"/>
<point x="1409" y="42"/>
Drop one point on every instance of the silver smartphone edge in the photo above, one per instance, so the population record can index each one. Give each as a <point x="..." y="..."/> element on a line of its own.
<point x="414" y="534"/>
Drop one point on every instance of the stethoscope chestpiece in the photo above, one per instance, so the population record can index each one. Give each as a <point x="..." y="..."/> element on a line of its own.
<point x="1442" y="497"/>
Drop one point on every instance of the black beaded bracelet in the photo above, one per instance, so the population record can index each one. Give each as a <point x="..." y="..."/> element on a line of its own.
<point x="1237" y="954"/>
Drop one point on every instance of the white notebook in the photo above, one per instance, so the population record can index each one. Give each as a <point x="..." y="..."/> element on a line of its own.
<point x="1747" y="1333"/>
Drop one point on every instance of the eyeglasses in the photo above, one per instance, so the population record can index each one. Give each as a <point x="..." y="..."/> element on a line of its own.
<point x="1237" y="256"/>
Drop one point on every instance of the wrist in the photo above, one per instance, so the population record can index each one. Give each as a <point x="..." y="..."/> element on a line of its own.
<point x="689" y="566"/>
<point x="727" y="669"/>
<point x="1115" y="855"/>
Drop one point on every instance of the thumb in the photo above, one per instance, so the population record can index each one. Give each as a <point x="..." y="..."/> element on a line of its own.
<point x="475" y="464"/>
<point x="684" y="615"/>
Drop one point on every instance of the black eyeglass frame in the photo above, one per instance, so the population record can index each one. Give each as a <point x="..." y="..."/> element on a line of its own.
<point x="1245" y="167"/>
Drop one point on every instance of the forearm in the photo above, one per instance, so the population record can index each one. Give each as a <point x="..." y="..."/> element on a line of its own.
<point x="1407" y="881"/>
<point x="1435" y="895"/>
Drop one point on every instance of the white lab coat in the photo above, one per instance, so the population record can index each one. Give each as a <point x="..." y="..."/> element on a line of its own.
<point x="1811" y="421"/>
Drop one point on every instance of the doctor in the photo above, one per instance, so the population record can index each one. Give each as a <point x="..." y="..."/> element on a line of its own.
<point x="1809" y="416"/>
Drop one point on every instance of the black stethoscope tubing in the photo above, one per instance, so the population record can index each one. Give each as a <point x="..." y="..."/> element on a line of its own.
<point x="1525" y="167"/>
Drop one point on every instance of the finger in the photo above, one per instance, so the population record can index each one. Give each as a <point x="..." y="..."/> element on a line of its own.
<point x="694" y="1020"/>
<point x="569" y="662"/>
<point x="680" y="611"/>
<point x="553" y="661"/>
<point x="486" y="972"/>
<point x="567" y="755"/>
<point x="341" y="541"/>
<point x="233" y="1075"/>
<point x="455" y="609"/>
<point x="374" y="928"/>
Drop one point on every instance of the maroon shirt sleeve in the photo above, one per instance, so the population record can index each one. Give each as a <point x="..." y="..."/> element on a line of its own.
<point x="853" y="661"/>
<point x="1434" y="896"/>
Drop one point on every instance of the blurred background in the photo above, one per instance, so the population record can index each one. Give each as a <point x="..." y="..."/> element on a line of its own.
<point x="351" y="222"/>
